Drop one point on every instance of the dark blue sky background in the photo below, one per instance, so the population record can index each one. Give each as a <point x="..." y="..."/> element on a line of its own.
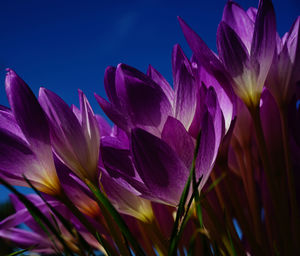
<point x="66" y="45"/>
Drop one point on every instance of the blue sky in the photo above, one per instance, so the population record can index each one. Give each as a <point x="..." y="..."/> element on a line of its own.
<point x="66" y="45"/>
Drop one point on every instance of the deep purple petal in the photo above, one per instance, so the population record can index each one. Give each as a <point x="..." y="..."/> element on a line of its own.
<point x="184" y="86"/>
<point x="214" y="109"/>
<point x="121" y="135"/>
<point x="207" y="58"/>
<point x="142" y="98"/>
<point x="159" y="166"/>
<point x="264" y="40"/>
<point x="114" y="114"/>
<point x="110" y="85"/>
<point x="200" y="111"/>
<point x="206" y="153"/>
<point x="232" y="51"/>
<point x="252" y="12"/>
<point x="116" y="157"/>
<point x="76" y="112"/>
<point x="210" y="123"/>
<point x="26" y="109"/>
<point x="160" y="80"/>
<point x="17" y="158"/>
<point x="226" y="105"/>
<point x="104" y="127"/>
<point x="239" y="21"/>
<point x="16" y="155"/>
<point x="180" y="141"/>
<point x="8" y="123"/>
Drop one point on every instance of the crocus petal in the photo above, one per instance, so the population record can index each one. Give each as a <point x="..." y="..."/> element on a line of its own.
<point x="207" y="149"/>
<point x="121" y="135"/>
<point x="207" y="58"/>
<point x="180" y="141"/>
<point x="117" y="160"/>
<point x="200" y="111"/>
<point x="110" y="85"/>
<point x="124" y="200"/>
<point x="33" y="123"/>
<point x="17" y="158"/>
<point x="144" y="100"/>
<point x="252" y="12"/>
<point x="239" y="21"/>
<point x="25" y="239"/>
<point x="232" y="50"/>
<point x="212" y="131"/>
<point x="67" y="135"/>
<point x="15" y="153"/>
<point x="160" y="80"/>
<point x="104" y="127"/>
<point x="264" y="41"/>
<point x="184" y="86"/>
<point x="113" y="113"/>
<point x="116" y="157"/>
<point x="226" y="105"/>
<point x="214" y="109"/>
<point x="26" y="109"/>
<point x="159" y="167"/>
<point x="90" y="129"/>
<point x="8" y="122"/>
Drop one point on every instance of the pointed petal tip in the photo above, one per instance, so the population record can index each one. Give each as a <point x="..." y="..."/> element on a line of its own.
<point x="177" y="48"/>
<point x="10" y="75"/>
<point x="42" y="91"/>
<point x="183" y="24"/>
<point x="108" y="68"/>
<point x="10" y="72"/>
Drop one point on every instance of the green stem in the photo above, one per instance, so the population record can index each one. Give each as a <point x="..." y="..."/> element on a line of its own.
<point x="103" y="201"/>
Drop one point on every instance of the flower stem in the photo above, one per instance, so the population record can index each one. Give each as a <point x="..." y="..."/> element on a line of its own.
<point x="290" y="177"/>
<point x="65" y="200"/>
<point x="279" y="211"/>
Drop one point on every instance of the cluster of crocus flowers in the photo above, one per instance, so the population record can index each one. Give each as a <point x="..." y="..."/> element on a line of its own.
<point x="206" y="165"/>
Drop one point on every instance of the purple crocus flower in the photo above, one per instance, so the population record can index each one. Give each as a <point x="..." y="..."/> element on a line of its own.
<point x="246" y="48"/>
<point x="25" y="140"/>
<point x="162" y="125"/>
<point x="246" y="43"/>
